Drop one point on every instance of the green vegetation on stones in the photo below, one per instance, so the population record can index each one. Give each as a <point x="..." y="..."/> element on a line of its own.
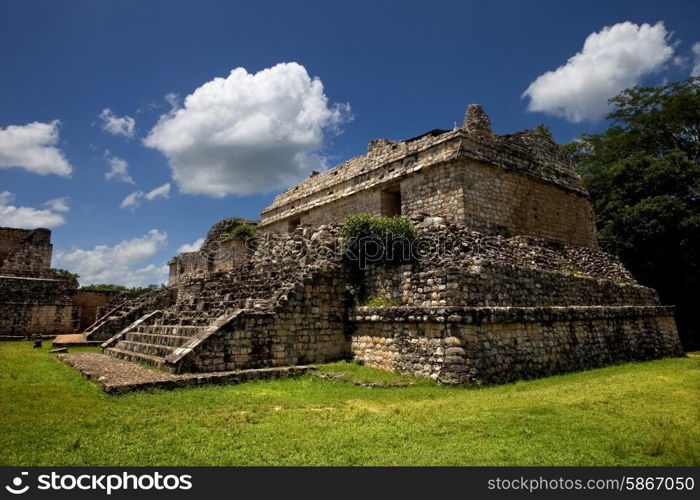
<point x="366" y="225"/>
<point x="64" y="273"/>
<point x="104" y="287"/>
<point x="240" y="232"/>
<point x="134" y="292"/>
<point x="378" y="302"/>
<point x="543" y="131"/>
<point x="389" y="238"/>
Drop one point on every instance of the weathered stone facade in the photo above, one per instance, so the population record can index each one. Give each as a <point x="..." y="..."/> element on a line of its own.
<point x="219" y="252"/>
<point x="35" y="300"/>
<point x="521" y="183"/>
<point x="37" y="306"/>
<point x="509" y="283"/>
<point x="464" y="345"/>
<point x="25" y="249"/>
<point x="95" y="303"/>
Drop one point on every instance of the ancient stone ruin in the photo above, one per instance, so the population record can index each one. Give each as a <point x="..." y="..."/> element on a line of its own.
<point x="509" y="283"/>
<point x="34" y="300"/>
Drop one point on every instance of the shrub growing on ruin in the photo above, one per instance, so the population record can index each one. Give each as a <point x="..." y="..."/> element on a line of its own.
<point x="64" y="273"/>
<point x="241" y="232"/>
<point x="384" y="240"/>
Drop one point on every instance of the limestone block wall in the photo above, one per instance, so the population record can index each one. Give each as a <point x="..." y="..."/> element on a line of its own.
<point x="467" y="345"/>
<point x="367" y="201"/>
<point x="485" y="197"/>
<point x="520" y="183"/>
<point x="220" y="256"/>
<point x="305" y="326"/>
<point x="25" y="249"/>
<point x="184" y="265"/>
<point x="436" y="191"/>
<point x="500" y="200"/>
<point x="23" y="320"/>
<point x="486" y="284"/>
<point x="33" y="306"/>
<point x="91" y="304"/>
<point x="385" y="162"/>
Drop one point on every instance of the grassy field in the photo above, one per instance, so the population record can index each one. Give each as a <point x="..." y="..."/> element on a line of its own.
<point x="632" y="414"/>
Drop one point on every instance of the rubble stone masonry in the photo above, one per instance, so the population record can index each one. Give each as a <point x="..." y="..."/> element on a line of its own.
<point x="468" y="345"/>
<point x="37" y="306"/>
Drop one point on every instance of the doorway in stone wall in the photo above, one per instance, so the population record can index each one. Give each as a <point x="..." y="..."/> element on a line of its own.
<point x="293" y="224"/>
<point x="391" y="201"/>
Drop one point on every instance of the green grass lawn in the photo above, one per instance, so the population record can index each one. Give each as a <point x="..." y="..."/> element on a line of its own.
<point x="632" y="414"/>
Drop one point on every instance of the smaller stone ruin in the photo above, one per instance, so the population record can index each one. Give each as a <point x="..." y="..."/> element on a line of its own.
<point x="36" y="301"/>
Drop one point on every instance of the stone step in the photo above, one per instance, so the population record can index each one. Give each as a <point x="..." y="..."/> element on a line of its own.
<point x="137" y="357"/>
<point x="157" y="339"/>
<point x="169" y="329"/>
<point x="160" y="351"/>
<point x="187" y="321"/>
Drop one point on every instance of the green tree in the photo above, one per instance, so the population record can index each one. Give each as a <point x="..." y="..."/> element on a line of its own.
<point x="643" y="174"/>
<point x="104" y="287"/>
<point x="64" y="273"/>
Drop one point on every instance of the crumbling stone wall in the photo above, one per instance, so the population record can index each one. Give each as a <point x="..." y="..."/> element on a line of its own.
<point x="488" y="284"/>
<point x="33" y="300"/>
<point x="459" y="266"/>
<point x="307" y="325"/>
<point x="218" y="253"/>
<point x="32" y="306"/>
<point x="92" y="303"/>
<point x="467" y="345"/>
<point x="25" y="249"/>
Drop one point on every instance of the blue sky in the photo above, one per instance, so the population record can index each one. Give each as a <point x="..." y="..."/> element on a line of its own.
<point x="386" y="69"/>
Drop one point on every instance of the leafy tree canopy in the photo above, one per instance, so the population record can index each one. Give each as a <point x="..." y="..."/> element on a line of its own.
<point x="64" y="273"/>
<point x="134" y="291"/>
<point x="104" y="287"/>
<point x="643" y="174"/>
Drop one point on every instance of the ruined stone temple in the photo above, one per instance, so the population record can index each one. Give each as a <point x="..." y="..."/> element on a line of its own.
<point x="34" y="300"/>
<point x="521" y="290"/>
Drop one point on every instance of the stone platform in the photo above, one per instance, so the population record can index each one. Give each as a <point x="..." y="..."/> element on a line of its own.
<point x="117" y="376"/>
<point x="74" y="340"/>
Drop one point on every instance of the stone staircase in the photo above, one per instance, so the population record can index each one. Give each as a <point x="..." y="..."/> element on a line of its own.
<point x="202" y="304"/>
<point x="121" y="316"/>
<point x="152" y="344"/>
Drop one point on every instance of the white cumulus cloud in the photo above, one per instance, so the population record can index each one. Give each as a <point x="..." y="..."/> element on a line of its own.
<point x="247" y="133"/>
<point x="26" y="217"/>
<point x="58" y="204"/>
<point x="33" y="148"/>
<point x="121" y="264"/>
<point x="117" y="125"/>
<point x="118" y="169"/>
<point x="133" y="200"/>
<point x="191" y="247"/>
<point x="611" y="60"/>
<point x="159" y="192"/>
<point x="696" y="60"/>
